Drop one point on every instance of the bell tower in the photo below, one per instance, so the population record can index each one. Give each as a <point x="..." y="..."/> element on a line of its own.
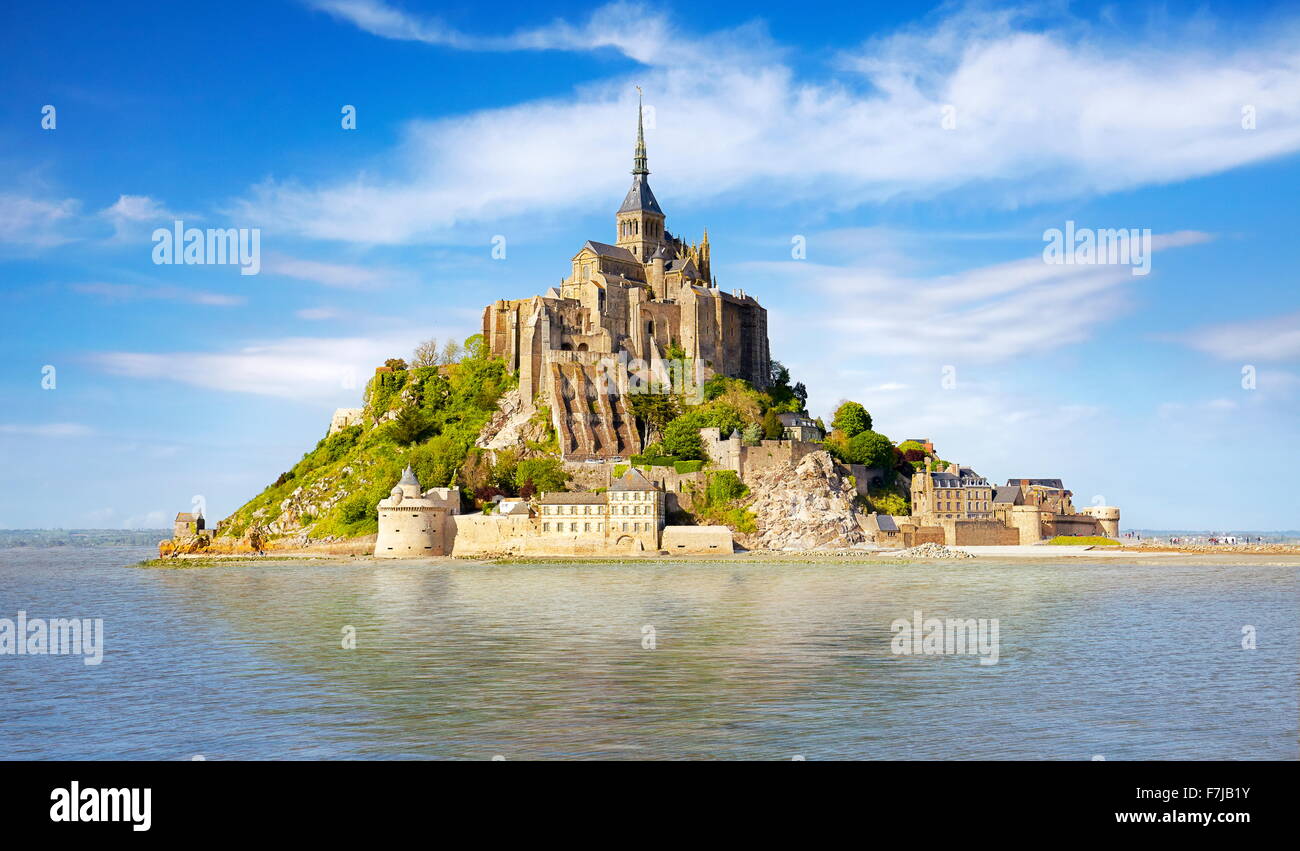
<point x="640" y="221"/>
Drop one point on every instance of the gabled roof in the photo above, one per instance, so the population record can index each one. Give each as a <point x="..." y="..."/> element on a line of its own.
<point x="788" y="419"/>
<point x="633" y="480"/>
<point x="186" y="517"/>
<point x="1006" y="495"/>
<point x="614" y="252"/>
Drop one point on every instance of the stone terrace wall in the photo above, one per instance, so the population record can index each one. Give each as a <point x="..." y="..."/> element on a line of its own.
<point x="983" y="533"/>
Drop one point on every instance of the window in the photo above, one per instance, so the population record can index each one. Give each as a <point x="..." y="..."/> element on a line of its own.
<point x="546" y="527"/>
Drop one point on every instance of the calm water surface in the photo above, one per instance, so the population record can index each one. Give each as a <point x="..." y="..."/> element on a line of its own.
<point x="752" y="661"/>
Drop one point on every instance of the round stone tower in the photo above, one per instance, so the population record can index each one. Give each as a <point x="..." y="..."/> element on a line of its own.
<point x="1107" y="517"/>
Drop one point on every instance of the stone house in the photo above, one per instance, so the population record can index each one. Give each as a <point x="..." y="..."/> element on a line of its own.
<point x="187" y="525"/>
<point x="799" y="427"/>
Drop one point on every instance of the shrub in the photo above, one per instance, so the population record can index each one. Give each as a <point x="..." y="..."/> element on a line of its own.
<point x="688" y="466"/>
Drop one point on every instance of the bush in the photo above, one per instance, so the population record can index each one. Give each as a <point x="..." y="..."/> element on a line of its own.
<point x="716" y="503"/>
<point x="688" y="466"/>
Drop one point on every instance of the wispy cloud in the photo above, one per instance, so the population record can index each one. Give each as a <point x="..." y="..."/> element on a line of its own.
<point x="1273" y="339"/>
<point x="989" y="314"/>
<point x="298" y="368"/>
<point x="1041" y="112"/>
<point x="34" y="222"/>
<point x="337" y="275"/>
<point x="130" y="215"/>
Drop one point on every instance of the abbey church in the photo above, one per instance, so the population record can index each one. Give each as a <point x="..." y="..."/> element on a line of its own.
<point x="647" y="297"/>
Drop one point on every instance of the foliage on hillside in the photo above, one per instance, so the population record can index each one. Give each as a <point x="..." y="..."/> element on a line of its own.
<point x="427" y="416"/>
<point x="729" y="404"/>
<point x="718" y="502"/>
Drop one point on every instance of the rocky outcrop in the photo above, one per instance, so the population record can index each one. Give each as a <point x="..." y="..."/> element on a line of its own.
<point x="803" y="506"/>
<point x="511" y="427"/>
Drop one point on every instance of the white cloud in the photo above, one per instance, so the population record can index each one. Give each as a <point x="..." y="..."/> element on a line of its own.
<point x="989" y="314"/>
<point x="132" y="215"/>
<point x="33" y="222"/>
<point x="1275" y="338"/>
<point x="632" y="29"/>
<point x="1041" y="113"/>
<point x="131" y="292"/>
<point x="298" y="368"/>
<point x="156" y="519"/>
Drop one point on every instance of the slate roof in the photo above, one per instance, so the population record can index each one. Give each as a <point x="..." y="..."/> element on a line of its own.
<point x="1045" y="483"/>
<point x="639" y="197"/>
<point x="633" y="480"/>
<point x="604" y="249"/>
<point x="408" y="477"/>
<point x="882" y="522"/>
<point x="1006" y="495"/>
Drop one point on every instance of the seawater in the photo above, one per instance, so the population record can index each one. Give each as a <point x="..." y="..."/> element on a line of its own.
<point x="750" y="660"/>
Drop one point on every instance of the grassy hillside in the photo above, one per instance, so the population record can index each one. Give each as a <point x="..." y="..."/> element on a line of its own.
<point x="428" y="417"/>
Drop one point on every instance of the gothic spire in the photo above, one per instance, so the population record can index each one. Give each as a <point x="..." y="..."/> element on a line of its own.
<point x="639" y="159"/>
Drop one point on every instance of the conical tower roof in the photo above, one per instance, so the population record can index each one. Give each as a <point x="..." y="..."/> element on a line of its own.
<point x="639" y="197"/>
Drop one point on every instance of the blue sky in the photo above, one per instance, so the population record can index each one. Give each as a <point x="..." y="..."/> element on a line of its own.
<point x="924" y="238"/>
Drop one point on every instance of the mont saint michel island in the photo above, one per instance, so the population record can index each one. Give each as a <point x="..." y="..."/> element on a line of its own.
<point x="633" y="409"/>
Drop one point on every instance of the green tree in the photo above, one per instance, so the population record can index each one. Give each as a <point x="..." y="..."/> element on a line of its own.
<point x="772" y="429"/>
<point x="752" y="434"/>
<point x="654" y="410"/>
<point x="545" y="475"/>
<point x="410" y="425"/>
<point x="870" y="449"/>
<point x="852" y="419"/>
<point x="682" y="439"/>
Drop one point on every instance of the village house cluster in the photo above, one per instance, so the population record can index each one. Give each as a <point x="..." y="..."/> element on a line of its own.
<point x="626" y="517"/>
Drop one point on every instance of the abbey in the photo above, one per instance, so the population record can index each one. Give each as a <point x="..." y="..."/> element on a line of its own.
<point x="647" y="297"/>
